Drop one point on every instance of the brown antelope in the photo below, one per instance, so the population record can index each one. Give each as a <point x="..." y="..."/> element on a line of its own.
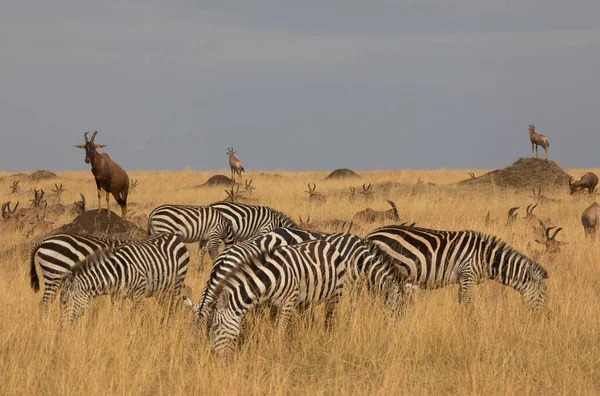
<point x="590" y="219"/>
<point x="534" y="221"/>
<point x="552" y="245"/>
<point x="248" y="188"/>
<point x="589" y="181"/>
<point x="538" y="140"/>
<point x="133" y="185"/>
<point x="11" y="219"/>
<point x="236" y="196"/>
<point x="306" y="225"/>
<point x="367" y="192"/>
<point x="235" y="165"/>
<point x="512" y="216"/>
<point x="15" y="188"/>
<point x="40" y="225"/>
<point x="76" y="208"/>
<point x="370" y="215"/>
<point x="58" y="192"/>
<point x="472" y="175"/>
<point x="7" y="213"/>
<point x="109" y="176"/>
<point x="315" y="196"/>
<point x="38" y="202"/>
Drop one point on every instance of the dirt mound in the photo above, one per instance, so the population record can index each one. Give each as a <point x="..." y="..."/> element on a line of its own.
<point x="42" y="175"/>
<point x="342" y="174"/>
<point x="525" y="173"/>
<point x="218" y="180"/>
<point x="96" y="222"/>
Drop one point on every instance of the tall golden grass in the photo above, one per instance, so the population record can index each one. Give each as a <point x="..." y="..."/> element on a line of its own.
<point x="497" y="347"/>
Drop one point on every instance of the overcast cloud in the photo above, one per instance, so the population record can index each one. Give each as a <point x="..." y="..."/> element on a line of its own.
<point x="298" y="85"/>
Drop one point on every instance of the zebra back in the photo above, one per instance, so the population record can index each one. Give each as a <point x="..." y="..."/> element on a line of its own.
<point x="192" y="223"/>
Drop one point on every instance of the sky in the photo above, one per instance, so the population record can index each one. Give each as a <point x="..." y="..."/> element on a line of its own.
<point x="298" y="85"/>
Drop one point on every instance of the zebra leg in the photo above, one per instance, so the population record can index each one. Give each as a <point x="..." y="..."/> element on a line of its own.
<point x="285" y="315"/>
<point x="213" y="246"/>
<point x="201" y="251"/>
<point x="464" y="291"/>
<point x="330" y="309"/>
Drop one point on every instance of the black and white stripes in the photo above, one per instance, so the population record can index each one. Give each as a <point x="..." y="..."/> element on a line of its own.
<point x="134" y="270"/>
<point x="434" y="259"/>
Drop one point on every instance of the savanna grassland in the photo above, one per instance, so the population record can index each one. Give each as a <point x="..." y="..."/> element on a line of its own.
<point x="497" y="347"/>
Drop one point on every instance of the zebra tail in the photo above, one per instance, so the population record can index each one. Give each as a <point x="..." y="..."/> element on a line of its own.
<point x="34" y="280"/>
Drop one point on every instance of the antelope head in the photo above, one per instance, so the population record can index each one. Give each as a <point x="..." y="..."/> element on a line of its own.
<point x="531" y="129"/>
<point x="133" y="185"/>
<point x="15" y="187"/>
<point x="512" y="214"/>
<point x="552" y="245"/>
<point x="248" y="186"/>
<point x="367" y="191"/>
<point x="80" y="205"/>
<point x="472" y="175"/>
<point x="89" y="146"/>
<point x="58" y="191"/>
<point x="6" y="212"/>
<point x="530" y="209"/>
<point x="394" y="210"/>
<point x="38" y="198"/>
<point x="230" y="151"/>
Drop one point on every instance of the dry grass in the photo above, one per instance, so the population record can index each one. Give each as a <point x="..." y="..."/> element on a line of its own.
<point x="496" y="348"/>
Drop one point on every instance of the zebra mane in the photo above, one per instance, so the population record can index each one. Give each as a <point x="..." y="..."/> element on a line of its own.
<point x="537" y="269"/>
<point x="91" y="259"/>
<point x="285" y="220"/>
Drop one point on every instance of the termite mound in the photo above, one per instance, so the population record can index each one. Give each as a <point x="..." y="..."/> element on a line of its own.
<point x="98" y="223"/>
<point x="343" y="174"/>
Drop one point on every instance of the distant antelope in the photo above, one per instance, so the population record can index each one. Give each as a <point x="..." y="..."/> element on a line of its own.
<point x="237" y="196"/>
<point x="248" y="188"/>
<point x="552" y="245"/>
<point x="370" y="215"/>
<point x="315" y="196"/>
<point x="7" y="213"/>
<point x="589" y="181"/>
<point x="534" y="221"/>
<point x="58" y="192"/>
<point x="38" y="201"/>
<point x="40" y="225"/>
<point x="512" y="216"/>
<point x="15" y="188"/>
<point x="109" y="176"/>
<point x="590" y="219"/>
<point x="538" y="197"/>
<point x="367" y="192"/>
<point x="472" y="175"/>
<point x="133" y="185"/>
<point x="306" y="225"/>
<point x="235" y="165"/>
<point x="75" y="208"/>
<point x="538" y="140"/>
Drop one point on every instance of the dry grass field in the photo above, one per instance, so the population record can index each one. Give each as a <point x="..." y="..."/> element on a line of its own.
<point x="497" y="347"/>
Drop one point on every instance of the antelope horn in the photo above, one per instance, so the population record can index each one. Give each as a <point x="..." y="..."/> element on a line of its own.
<point x="350" y="226"/>
<point x="4" y="209"/>
<point x="532" y="208"/>
<point x="548" y="232"/>
<point x="556" y="232"/>
<point x="308" y="219"/>
<point x="301" y="222"/>
<point x="512" y="211"/>
<point x="93" y="136"/>
<point x="14" y="209"/>
<point x="85" y="135"/>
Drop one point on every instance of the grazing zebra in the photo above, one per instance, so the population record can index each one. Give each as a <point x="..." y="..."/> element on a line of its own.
<point x="134" y="269"/>
<point x="248" y="221"/>
<point x="202" y="224"/>
<point x="56" y="255"/>
<point x="287" y="277"/>
<point x="365" y="260"/>
<point x="435" y="259"/>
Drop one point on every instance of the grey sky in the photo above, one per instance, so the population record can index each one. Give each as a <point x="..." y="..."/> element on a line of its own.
<point x="299" y="85"/>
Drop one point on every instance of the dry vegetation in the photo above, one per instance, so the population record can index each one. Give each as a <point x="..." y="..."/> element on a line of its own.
<point x="496" y="348"/>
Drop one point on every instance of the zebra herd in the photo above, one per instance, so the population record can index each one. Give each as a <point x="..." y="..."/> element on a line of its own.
<point x="267" y="259"/>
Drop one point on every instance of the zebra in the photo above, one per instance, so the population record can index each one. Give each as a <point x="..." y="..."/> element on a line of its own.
<point x="134" y="269"/>
<point x="248" y="221"/>
<point x="434" y="259"/>
<point x="202" y="224"/>
<point x="366" y="259"/>
<point x="287" y="277"/>
<point x="56" y="255"/>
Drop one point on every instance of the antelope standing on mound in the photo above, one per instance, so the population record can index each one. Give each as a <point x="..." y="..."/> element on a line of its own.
<point x="589" y="181"/>
<point x="109" y="176"/>
<point x="538" y="140"/>
<point x="235" y="165"/>
<point x="590" y="219"/>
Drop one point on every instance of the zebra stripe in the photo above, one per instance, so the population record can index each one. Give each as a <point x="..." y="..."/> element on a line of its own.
<point x="287" y="277"/>
<point x="202" y="224"/>
<point x="248" y="221"/>
<point x="56" y="255"/>
<point x="134" y="269"/>
<point x="364" y="258"/>
<point x="434" y="259"/>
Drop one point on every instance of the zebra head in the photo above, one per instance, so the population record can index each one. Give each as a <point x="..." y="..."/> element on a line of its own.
<point x="534" y="290"/>
<point x="225" y="325"/>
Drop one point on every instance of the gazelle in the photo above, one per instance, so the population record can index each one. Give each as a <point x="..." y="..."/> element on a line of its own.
<point x="58" y="192"/>
<point x="235" y="165"/>
<point x="538" y="140"/>
<point x="15" y="188"/>
<point x="314" y="196"/>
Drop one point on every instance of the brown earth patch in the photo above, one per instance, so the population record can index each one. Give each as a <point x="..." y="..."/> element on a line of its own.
<point x="525" y="173"/>
<point x="218" y="180"/>
<point x="96" y="222"/>
<point x="342" y="174"/>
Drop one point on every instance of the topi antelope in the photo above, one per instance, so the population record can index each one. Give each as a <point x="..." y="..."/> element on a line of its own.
<point x="315" y="196"/>
<point x="590" y="218"/>
<point x="589" y="181"/>
<point x="109" y="176"/>
<point x="15" y="188"/>
<point x="370" y="215"/>
<point x="538" y="140"/>
<point x="235" y="165"/>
